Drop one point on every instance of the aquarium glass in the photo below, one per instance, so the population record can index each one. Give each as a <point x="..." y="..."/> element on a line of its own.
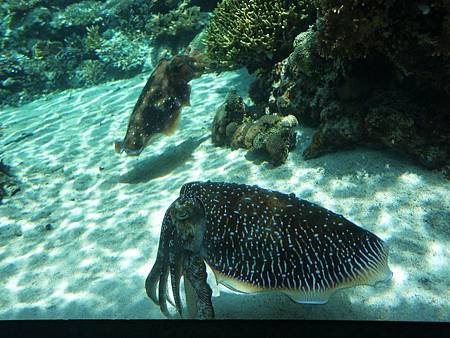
<point x="166" y="159"/>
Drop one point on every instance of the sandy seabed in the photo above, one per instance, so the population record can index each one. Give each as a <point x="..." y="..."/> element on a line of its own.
<point x="80" y="237"/>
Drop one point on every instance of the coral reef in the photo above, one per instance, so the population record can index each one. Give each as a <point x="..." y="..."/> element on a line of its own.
<point x="176" y="28"/>
<point x="234" y="126"/>
<point x="365" y="72"/>
<point x="8" y="184"/>
<point x="413" y="36"/>
<point x="362" y="101"/>
<point x="50" y="45"/>
<point x="255" y="33"/>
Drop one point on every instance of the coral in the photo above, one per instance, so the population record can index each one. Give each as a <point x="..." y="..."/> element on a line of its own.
<point x="227" y="117"/>
<point x="42" y="49"/>
<point x="278" y="142"/>
<point x="93" y="38"/>
<point x="361" y="101"/>
<point x="124" y="56"/>
<point x="51" y="45"/>
<point x="21" y="5"/>
<point x="406" y="126"/>
<point x="234" y="126"/>
<point x="19" y="77"/>
<point x="413" y="36"/>
<point x="334" y="134"/>
<point x="304" y="82"/>
<point x="91" y="72"/>
<point x="81" y="14"/>
<point x="176" y="28"/>
<point x="255" y="33"/>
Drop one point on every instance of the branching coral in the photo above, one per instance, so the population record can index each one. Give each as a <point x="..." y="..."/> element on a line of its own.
<point x="176" y="28"/>
<point x="80" y="14"/>
<point x="255" y="33"/>
<point x="123" y="54"/>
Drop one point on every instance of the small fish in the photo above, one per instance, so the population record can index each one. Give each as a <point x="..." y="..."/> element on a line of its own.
<point x="157" y="109"/>
<point x="256" y="240"/>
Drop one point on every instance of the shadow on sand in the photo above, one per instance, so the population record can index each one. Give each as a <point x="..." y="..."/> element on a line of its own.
<point x="162" y="164"/>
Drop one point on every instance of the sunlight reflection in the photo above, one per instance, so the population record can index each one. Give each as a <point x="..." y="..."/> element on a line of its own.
<point x="128" y="257"/>
<point x="87" y="262"/>
<point x="410" y="179"/>
<point x="399" y="275"/>
<point x="325" y="200"/>
<point x="438" y="257"/>
<point x="384" y="219"/>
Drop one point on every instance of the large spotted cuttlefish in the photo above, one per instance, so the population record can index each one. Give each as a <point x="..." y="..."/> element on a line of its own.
<point x="157" y="110"/>
<point x="258" y="240"/>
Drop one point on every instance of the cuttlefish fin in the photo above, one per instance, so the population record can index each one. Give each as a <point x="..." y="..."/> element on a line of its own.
<point x="173" y="126"/>
<point x="301" y="297"/>
<point x="381" y="274"/>
<point x="191" y="298"/>
<point x="236" y="284"/>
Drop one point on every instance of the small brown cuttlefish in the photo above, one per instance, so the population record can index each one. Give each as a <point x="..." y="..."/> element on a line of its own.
<point x="254" y="240"/>
<point x="158" y="108"/>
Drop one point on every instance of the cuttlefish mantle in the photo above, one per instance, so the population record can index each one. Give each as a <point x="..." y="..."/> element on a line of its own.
<point x="258" y="240"/>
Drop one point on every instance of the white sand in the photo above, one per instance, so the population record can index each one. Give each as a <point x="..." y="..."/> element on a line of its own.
<point x="106" y="222"/>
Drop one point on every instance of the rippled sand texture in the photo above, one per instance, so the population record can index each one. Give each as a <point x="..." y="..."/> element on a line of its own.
<point x="80" y="237"/>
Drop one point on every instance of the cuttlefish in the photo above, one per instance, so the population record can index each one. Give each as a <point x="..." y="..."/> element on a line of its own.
<point x="257" y="240"/>
<point x="158" y="107"/>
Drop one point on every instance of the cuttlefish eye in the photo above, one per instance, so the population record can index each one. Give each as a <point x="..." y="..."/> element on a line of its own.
<point x="182" y="214"/>
<point x="182" y="211"/>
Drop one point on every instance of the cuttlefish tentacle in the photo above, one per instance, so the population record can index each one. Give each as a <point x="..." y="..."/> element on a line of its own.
<point x="176" y="271"/>
<point x="162" y="290"/>
<point x="195" y="271"/>
<point x="188" y="219"/>
<point x="159" y="272"/>
<point x="179" y="236"/>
